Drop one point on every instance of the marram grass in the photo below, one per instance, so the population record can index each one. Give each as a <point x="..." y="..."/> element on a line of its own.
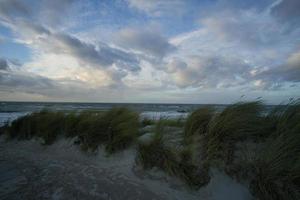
<point x="236" y="122"/>
<point x="277" y="168"/>
<point x="197" y="122"/>
<point x="116" y="129"/>
<point x="155" y="153"/>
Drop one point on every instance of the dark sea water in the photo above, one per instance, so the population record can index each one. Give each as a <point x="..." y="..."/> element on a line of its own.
<point x="12" y="110"/>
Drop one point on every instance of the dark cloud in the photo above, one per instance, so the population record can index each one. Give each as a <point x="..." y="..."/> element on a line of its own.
<point x="49" y="13"/>
<point x="11" y="8"/>
<point x="3" y="64"/>
<point x="146" y="41"/>
<point x="101" y="55"/>
<point x="52" y="11"/>
<point x="27" y="81"/>
<point x="43" y="39"/>
<point x="159" y="8"/>
<point x="287" y="10"/>
<point x="245" y="27"/>
<point x="287" y="72"/>
<point x="244" y="4"/>
<point x="96" y="55"/>
<point x="20" y="81"/>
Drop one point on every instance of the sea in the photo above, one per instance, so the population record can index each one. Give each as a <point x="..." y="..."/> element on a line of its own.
<point x="10" y="111"/>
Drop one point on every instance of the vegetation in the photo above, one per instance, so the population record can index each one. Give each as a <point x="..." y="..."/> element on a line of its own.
<point x="155" y="153"/>
<point x="236" y="122"/>
<point x="116" y="129"/>
<point x="177" y="122"/>
<point x="197" y="122"/>
<point x="45" y="124"/>
<point x="277" y="168"/>
<point x="147" y="122"/>
<point x="274" y="172"/>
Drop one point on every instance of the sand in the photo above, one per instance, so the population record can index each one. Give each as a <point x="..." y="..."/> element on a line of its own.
<point x="29" y="170"/>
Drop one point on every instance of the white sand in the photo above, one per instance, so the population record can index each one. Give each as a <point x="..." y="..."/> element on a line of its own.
<point x="61" y="171"/>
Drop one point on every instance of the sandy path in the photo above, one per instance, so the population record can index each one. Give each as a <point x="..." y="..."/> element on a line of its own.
<point x="29" y="170"/>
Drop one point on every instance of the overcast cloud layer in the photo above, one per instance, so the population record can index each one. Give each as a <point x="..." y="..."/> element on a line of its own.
<point x="150" y="51"/>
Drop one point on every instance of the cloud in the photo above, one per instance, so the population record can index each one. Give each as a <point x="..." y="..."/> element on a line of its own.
<point x="111" y="64"/>
<point x="49" y="13"/>
<point x="288" y="72"/>
<point x="3" y="64"/>
<point x="249" y="28"/>
<point x="99" y="56"/>
<point x="158" y="8"/>
<point x="287" y="11"/>
<point x="232" y="44"/>
<point x="11" y="8"/>
<point x="244" y="4"/>
<point x="16" y="83"/>
<point x="209" y="72"/>
<point x="2" y="39"/>
<point x="52" y="11"/>
<point x="30" y="82"/>
<point x="146" y="41"/>
<point x="236" y="48"/>
<point x="19" y="81"/>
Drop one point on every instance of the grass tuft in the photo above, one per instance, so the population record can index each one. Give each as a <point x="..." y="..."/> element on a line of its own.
<point x="197" y="122"/>
<point x="277" y="168"/>
<point x="235" y="122"/>
<point x="155" y="153"/>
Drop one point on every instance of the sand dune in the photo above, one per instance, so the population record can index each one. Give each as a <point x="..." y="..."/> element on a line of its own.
<point x="61" y="171"/>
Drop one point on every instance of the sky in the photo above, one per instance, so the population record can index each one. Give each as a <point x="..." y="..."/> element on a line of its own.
<point x="150" y="51"/>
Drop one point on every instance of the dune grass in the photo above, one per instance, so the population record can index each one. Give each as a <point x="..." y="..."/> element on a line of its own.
<point x="177" y="122"/>
<point x="121" y="125"/>
<point x="197" y="122"/>
<point x="236" y="122"/>
<point x="116" y="128"/>
<point x="45" y="124"/>
<point x="147" y="122"/>
<point x="277" y="168"/>
<point x="155" y="153"/>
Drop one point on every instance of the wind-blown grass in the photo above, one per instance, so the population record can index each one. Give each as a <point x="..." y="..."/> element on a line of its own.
<point x="122" y="128"/>
<point x="197" y="122"/>
<point x="235" y="122"/>
<point x="277" y="168"/>
<point x="155" y="153"/>
<point x="45" y="124"/>
<point x="177" y="122"/>
<point x="116" y="128"/>
<point x="147" y="122"/>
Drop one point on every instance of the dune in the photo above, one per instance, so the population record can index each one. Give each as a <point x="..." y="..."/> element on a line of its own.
<point x="62" y="171"/>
